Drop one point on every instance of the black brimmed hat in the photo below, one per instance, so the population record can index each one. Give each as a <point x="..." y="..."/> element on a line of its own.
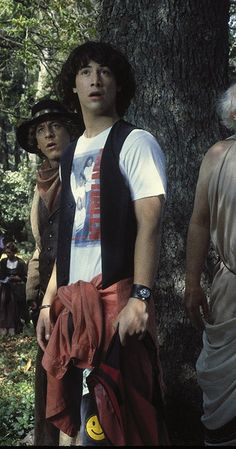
<point x="41" y="111"/>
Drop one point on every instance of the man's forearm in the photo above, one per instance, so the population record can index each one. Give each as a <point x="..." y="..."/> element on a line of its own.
<point x="133" y="318"/>
<point x="32" y="283"/>
<point x="146" y="257"/>
<point x="147" y="245"/>
<point x="51" y="288"/>
<point x="197" y="249"/>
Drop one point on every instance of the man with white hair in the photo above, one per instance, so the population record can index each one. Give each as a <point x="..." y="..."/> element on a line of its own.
<point x="214" y="219"/>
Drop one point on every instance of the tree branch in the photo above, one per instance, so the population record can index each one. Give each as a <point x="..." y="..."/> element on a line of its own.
<point x="8" y="39"/>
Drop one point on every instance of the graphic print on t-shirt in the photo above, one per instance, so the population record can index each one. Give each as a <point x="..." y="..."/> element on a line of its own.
<point x="86" y="173"/>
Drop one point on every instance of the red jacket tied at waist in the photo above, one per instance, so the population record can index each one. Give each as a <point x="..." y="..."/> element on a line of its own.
<point x="89" y="304"/>
<point x="94" y="310"/>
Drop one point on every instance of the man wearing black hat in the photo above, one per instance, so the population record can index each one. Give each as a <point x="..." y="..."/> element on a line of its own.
<point x="47" y="134"/>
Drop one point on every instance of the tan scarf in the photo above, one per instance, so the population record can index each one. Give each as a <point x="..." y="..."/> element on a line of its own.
<point x="48" y="183"/>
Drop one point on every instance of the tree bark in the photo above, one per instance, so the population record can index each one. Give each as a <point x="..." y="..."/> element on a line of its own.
<point x="4" y="155"/>
<point x="179" y="51"/>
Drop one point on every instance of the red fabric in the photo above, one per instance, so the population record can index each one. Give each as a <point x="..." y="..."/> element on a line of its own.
<point x="48" y="183"/>
<point x="128" y="396"/>
<point x="94" y="311"/>
<point x="89" y="304"/>
<point x="106" y="383"/>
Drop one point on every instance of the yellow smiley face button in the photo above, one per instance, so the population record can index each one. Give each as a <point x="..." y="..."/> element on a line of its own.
<point x="93" y="429"/>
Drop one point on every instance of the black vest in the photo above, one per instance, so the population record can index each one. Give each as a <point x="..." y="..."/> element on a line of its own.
<point x="118" y="222"/>
<point x="48" y="231"/>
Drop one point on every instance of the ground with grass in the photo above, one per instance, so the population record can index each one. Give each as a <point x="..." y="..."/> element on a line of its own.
<point x="17" y="356"/>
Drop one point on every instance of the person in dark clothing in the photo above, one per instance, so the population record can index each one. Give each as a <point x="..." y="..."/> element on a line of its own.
<point x="47" y="134"/>
<point x="103" y="279"/>
<point x="13" y="274"/>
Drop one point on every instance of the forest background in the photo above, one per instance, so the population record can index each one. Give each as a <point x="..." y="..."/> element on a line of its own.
<point x="184" y="55"/>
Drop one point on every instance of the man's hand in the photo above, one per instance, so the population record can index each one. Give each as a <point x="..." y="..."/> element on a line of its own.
<point x="43" y="328"/>
<point x="132" y="319"/>
<point x="196" y="306"/>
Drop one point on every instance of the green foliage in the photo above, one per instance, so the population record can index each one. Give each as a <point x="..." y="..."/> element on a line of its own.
<point x="17" y="360"/>
<point x="15" y="197"/>
<point x="16" y="416"/>
<point x="35" y="37"/>
<point x="26" y="248"/>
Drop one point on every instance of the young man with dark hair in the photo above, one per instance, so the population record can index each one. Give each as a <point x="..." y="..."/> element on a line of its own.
<point x="47" y="133"/>
<point x="99" y="298"/>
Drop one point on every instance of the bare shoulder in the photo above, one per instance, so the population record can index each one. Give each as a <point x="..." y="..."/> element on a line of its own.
<point x="211" y="159"/>
<point x="218" y="149"/>
<point x="215" y="154"/>
<point x="208" y="166"/>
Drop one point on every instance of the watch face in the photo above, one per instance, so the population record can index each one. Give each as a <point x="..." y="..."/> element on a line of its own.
<point x="144" y="292"/>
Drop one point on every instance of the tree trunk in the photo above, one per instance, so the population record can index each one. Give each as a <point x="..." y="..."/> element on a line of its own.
<point x="4" y="155"/>
<point x="42" y="76"/>
<point x="179" y="51"/>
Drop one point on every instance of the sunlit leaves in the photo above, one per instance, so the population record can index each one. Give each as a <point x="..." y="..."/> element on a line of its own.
<point x="35" y="37"/>
<point x="15" y="195"/>
<point x="17" y="387"/>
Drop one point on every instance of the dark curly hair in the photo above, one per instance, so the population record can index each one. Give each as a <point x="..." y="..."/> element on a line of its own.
<point x="11" y="246"/>
<point x="104" y="54"/>
<point x="73" y="129"/>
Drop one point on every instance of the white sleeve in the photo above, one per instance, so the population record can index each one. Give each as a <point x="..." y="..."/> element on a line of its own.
<point x="142" y="163"/>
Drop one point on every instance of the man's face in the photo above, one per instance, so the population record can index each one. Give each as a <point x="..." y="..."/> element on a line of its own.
<point x="96" y="88"/>
<point x="9" y="253"/>
<point x="52" y="138"/>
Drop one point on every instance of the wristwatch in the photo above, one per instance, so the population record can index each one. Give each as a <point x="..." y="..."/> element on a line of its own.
<point x="141" y="292"/>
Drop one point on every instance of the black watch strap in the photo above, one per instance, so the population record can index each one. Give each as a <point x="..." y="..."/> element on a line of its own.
<point x="141" y="292"/>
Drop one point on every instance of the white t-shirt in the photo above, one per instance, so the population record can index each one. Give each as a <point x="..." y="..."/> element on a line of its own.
<point x="12" y="264"/>
<point x="142" y="164"/>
